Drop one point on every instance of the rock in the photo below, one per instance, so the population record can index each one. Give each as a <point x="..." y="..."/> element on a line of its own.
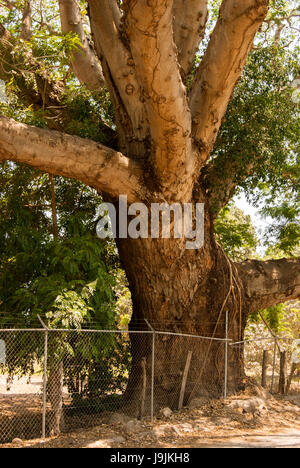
<point x="107" y="443"/>
<point x="116" y="440"/>
<point x="99" y="444"/>
<point x="182" y="428"/>
<point x="17" y="441"/>
<point x="166" y="412"/>
<point x="252" y="405"/>
<point x="133" y="426"/>
<point x="163" y="430"/>
<point x="116" y="418"/>
<point x="197" y="403"/>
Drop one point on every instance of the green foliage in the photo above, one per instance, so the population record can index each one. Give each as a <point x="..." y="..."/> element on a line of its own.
<point x="69" y="280"/>
<point x="273" y="316"/>
<point x="66" y="279"/>
<point x="236" y="233"/>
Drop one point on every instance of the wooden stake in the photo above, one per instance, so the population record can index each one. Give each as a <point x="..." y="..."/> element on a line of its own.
<point x="142" y="410"/>
<point x="293" y="370"/>
<point x="184" y="379"/>
<point x="283" y="373"/>
<point x="264" y="369"/>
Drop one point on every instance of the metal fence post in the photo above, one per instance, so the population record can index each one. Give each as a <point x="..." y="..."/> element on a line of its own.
<point x="226" y="358"/>
<point x="274" y="364"/>
<point x="45" y="385"/>
<point x="152" y="371"/>
<point x="44" y="378"/>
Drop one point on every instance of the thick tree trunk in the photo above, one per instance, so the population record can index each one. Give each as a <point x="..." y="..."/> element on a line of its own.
<point x="186" y="292"/>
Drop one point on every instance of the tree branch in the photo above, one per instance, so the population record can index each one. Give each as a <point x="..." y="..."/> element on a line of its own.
<point x="271" y="282"/>
<point x="190" y="17"/>
<point x="42" y="92"/>
<point x="26" y="22"/>
<point x="222" y="66"/>
<point x="47" y="91"/>
<point x="119" y="71"/>
<point x="149" y="29"/>
<point x="100" y="167"/>
<point x="85" y="63"/>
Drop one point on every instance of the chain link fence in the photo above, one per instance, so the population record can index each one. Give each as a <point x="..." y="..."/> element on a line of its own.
<point x="54" y="381"/>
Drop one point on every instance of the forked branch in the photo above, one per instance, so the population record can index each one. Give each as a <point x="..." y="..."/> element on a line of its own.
<point x="150" y="33"/>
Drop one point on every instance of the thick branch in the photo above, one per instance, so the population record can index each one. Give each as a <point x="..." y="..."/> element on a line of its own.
<point x="119" y="71"/>
<point x="26" y="22"/>
<point x="116" y="12"/>
<point x="85" y="63"/>
<point x="222" y="66"/>
<point x="60" y="154"/>
<point x="149" y="29"/>
<point x="190" y="17"/>
<point x="271" y="282"/>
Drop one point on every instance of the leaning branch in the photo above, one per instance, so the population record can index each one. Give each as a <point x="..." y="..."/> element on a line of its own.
<point x="85" y="63"/>
<point x="26" y="22"/>
<point x="150" y="33"/>
<point x="119" y="71"/>
<point x="269" y="283"/>
<point x="190" y="17"/>
<point x="60" y="154"/>
<point x="222" y="65"/>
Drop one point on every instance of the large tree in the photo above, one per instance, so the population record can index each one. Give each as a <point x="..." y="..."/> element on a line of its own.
<point x="167" y="116"/>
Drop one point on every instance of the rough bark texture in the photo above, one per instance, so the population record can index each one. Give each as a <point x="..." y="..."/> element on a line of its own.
<point x="55" y="396"/>
<point x="166" y="137"/>
<point x="271" y="282"/>
<point x="149" y="29"/>
<point x="190" y="17"/>
<point x="70" y="156"/>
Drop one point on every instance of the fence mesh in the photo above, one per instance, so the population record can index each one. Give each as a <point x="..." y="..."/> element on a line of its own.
<point x="21" y="379"/>
<point x="53" y="381"/>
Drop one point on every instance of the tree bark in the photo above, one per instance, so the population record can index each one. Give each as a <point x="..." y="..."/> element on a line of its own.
<point x="55" y="395"/>
<point x="271" y="282"/>
<point x="85" y="63"/>
<point x="61" y="154"/>
<point x="283" y="373"/>
<point x="264" y="370"/>
<point x="149" y="29"/>
<point x="222" y="66"/>
<point x="190" y="17"/>
<point x="26" y="22"/>
<point x="189" y="292"/>
<point x="183" y="292"/>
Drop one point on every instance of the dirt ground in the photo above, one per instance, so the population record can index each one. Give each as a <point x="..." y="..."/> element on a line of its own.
<point x="271" y="422"/>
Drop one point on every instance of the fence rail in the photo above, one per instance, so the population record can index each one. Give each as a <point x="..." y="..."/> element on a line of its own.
<point x="54" y="380"/>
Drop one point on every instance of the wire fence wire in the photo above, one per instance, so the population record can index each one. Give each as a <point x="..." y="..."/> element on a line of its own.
<point x="54" y="381"/>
